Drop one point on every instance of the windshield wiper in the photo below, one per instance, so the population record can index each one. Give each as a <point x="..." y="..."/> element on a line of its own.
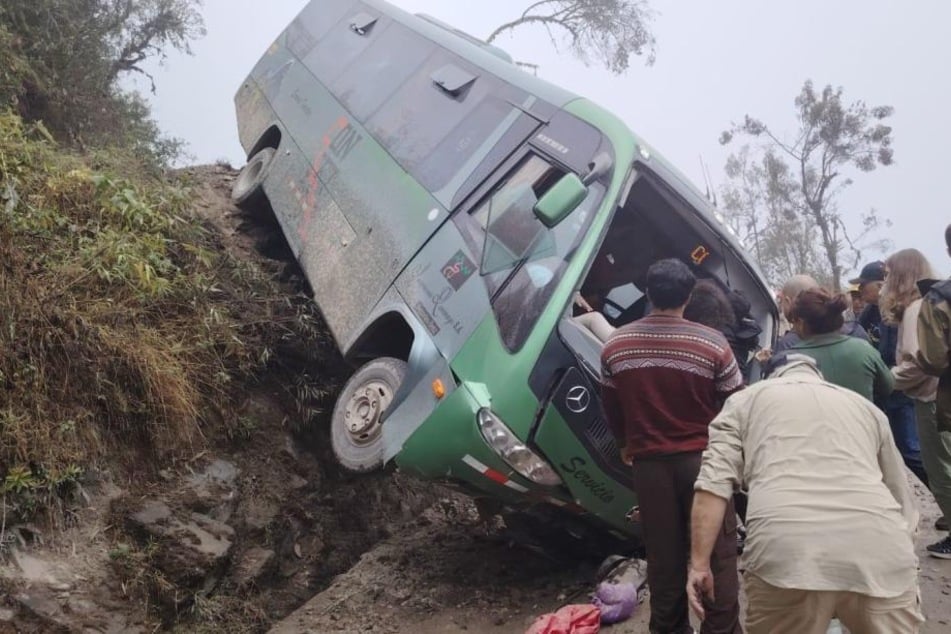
<point x="517" y="266"/>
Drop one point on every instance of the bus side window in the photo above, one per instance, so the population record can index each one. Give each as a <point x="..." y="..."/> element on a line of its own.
<point x="394" y="55"/>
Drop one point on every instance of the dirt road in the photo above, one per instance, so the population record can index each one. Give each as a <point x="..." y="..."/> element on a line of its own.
<point x="458" y="577"/>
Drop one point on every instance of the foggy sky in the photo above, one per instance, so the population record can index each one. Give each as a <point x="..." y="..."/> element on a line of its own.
<point x="716" y="62"/>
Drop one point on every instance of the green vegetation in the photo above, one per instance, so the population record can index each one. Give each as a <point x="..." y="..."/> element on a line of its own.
<point x="125" y="327"/>
<point x="62" y="62"/>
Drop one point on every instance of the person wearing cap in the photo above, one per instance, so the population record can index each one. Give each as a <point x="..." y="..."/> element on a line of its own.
<point x="869" y="283"/>
<point x="827" y="489"/>
<point x="855" y="309"/>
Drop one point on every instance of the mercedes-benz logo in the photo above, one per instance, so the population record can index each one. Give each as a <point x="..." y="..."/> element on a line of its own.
<point x="578" y="399"/>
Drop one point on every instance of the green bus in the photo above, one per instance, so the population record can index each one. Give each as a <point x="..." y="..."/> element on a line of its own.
<point x="450" y="211"/>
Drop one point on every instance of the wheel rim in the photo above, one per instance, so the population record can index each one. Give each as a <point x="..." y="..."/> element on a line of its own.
<point x="249" y="176"/>
<point x="364" y="412"/>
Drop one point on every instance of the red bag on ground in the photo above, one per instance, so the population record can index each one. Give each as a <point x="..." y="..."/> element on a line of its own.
<point x="571" y="619"/>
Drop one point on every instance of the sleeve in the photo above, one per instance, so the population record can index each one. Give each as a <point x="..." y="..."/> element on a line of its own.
<point x="728" y="379"/>
<point x="932" y="339"/>
<point x="908" y="374"/>
<point x="858" y="332"/>
<point x="884" y="382"/>
<point x="611" y="403"/>
<point x="721" y="471"/>
<point x="785" y="342"/>
<point x="893" y="472"/>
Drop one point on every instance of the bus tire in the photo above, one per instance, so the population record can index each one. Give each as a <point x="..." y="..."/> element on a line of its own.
<point x="356" y="428"/>
<point x="248" y="189"/>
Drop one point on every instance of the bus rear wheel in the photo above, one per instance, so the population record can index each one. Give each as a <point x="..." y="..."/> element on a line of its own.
<point x="356" y="429"/>
<point x="248" y="190"/>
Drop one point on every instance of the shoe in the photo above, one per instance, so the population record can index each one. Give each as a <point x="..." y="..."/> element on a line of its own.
<point x="941" y="550"/>
<point x="941" y="524"/>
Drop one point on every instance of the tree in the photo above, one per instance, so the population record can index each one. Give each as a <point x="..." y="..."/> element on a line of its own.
<point x="72" y="54"/>
<point x="800" y="181"/>
<point x="609" y="30"/>
<point x="755" y="206"/>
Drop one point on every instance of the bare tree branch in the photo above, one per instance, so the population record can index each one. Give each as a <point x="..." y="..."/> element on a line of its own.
<point x="611" y="31"/>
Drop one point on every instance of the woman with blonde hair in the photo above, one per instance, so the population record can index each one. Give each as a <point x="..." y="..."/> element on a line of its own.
<point x="903" y="271"/>
<point x="900" y="272"/>
<point x="909" y="277"/>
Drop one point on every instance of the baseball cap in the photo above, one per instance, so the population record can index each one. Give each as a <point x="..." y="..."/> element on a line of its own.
<point x="871" y="272"/>
<point x="854" y="288"/>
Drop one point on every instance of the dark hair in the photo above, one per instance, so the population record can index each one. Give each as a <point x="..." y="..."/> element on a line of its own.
<point x="741" y="305"/>
<point x="709" y="306"/>
<point x="669" y="283"/>
<point x="947" y="236"/>
<point x="821" y="310"/>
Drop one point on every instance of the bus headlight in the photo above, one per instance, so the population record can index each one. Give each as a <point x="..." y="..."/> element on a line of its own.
<point x="513" y="451"/>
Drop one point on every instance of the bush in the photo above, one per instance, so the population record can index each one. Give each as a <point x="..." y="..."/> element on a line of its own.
<point x="124" y="325"/>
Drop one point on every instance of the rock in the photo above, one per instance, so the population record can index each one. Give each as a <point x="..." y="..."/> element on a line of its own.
<point x="36" y="571"/>
<point x="190" y="549"/>
<point x="296" y="482"/>
<point x="213" y="490"/>
<point x="44" y="608"/>
<point x="259" y="513"/>
<point x="6" y="615"/>
<point x="253" y="565"/>
<point x="152" y="516"/>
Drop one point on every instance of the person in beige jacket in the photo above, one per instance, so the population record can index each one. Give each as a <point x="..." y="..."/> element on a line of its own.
<point x="909" y="278"/>
<point x="831" y="515"/>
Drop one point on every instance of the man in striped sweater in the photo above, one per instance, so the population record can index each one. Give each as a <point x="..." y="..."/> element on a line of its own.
<point x="664" y="380"/>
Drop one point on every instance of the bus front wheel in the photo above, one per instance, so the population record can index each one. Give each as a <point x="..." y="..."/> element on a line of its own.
<point x="356" y="429"/>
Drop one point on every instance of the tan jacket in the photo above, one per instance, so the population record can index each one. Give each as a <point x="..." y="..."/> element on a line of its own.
<point x="910" y="378"/>
<point x="934" y="338"/>
<point x="830" y="508"/>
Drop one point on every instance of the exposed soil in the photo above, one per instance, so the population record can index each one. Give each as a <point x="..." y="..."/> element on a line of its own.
<point x="263" y="532"/>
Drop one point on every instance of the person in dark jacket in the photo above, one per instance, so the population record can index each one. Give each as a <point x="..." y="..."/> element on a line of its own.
<point x="870" y="282"/>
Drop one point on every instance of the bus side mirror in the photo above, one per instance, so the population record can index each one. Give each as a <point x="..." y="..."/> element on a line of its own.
<point x="559" y="201"/>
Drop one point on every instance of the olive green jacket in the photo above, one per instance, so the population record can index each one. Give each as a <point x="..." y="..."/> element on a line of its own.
<point x="850" y="363"/>
<point x="934" y="340"/>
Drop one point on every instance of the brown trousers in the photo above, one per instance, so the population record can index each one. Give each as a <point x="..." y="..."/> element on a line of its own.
<point x="775" y="610"/>
<point x="664" y="487"/>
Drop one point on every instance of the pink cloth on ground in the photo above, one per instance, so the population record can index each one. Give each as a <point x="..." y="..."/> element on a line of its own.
<point x="571" y="619"/>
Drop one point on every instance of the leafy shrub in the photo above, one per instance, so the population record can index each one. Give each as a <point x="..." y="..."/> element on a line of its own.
<point x="124" y="324"/>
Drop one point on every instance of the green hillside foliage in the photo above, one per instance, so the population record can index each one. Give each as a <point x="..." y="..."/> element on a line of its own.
<point x="62" y="62"/>
<point x="125" y="326"/>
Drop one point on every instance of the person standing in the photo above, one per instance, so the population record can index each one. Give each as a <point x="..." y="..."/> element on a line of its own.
<point x="791" y="290"/>
<point x="870" y="282"/>
<point x="845" y="361"/>
<point x="827" y="490"/>
<point x="901" y="304"/>
<point x="857" y="305"/>
<point x="883" y="334"/>
<point x="664" y="378"/>
<point x="934" y="340"/>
